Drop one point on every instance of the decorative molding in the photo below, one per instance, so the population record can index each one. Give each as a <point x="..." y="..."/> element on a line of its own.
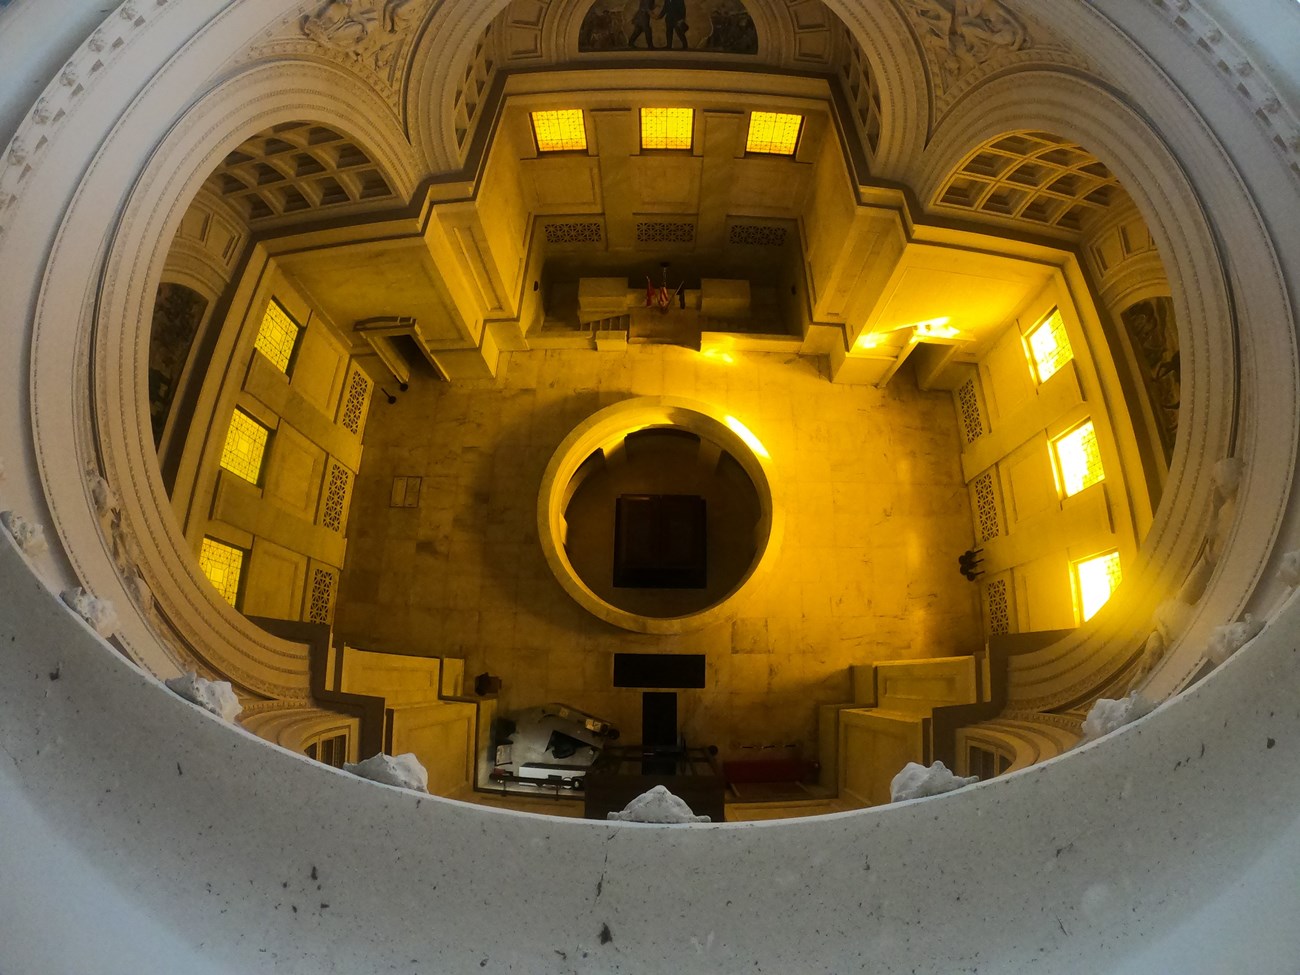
<point x="813" y="28"/>
<point x="103" y="47"/>
<point x="521" y="26"/>
<point x="369" y="32"/>
<point x="1207" y="37"/>
<point x="1065" y="722"/>
<point x="1174" y="615"/>
<point x="119" y="540"/>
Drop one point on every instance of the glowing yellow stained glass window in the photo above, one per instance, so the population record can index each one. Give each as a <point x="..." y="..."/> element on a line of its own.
<point x="222" y="564"/>
<point x="1095" y="579"/>
<point x="245" y="447"/>
<point x="667" y="128"/>
<point x="773" y="132"/>
<point x="560" y="130"/>
<point x="1078" y="459"/>
<point x="277" y="336"/>
<point x="1049" y="346"/>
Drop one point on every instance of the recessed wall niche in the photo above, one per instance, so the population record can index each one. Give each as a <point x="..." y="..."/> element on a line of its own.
<point x="657" y="514"/>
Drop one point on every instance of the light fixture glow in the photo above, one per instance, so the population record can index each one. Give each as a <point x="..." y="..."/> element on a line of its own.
<point x="868" y="340"/>
<point x="717" y="355"/>
<point x="719" y="348"/>
<point x="1095" y="580"/>
<point x="1078" y="459"/>
<point x="560" y="130"/>
<point x="667" y="128"/>
<point x="775" y="133"/>
<point x="747" y="435"/>
<point x="1048" y="346"/>
<point x="936" y="328"/>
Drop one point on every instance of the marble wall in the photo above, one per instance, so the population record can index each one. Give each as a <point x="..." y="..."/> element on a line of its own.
<point x="876" y="514"/>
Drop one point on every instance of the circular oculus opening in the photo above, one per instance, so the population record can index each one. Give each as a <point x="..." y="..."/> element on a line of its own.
<point x="657" y="514"/>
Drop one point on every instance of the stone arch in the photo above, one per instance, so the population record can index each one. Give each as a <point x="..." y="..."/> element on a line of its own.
<point x="1215" y="323"/>
<point x="890" y="46"/>
<point x="440" y="52"/>
<point x="105" y="363"/>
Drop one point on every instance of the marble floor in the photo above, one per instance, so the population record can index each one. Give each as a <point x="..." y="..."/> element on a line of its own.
<point x="876" y="515"/>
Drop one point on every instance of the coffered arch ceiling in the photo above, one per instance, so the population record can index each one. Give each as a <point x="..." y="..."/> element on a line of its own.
<point x="297" y="169"/>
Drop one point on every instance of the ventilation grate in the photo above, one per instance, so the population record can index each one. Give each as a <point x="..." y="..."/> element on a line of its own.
<point x="756" y="235"/>
<point x="574" y="232"/>
<point x="968" y="403"/>
<point x="321" y="606"/>
<point x="999" y="614"/>
<point x="986" y="507"/>
<point x="336" y="496"/>
<point x="664" y="232"/>
<point x="354" y="406"/>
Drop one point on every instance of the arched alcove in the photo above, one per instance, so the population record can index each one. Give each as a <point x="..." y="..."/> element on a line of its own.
<point x="1204" y="298"/>
<point x="161" y="195"/>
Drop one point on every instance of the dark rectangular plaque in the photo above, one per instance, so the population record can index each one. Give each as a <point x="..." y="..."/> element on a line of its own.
<point x="659" y="733"/>
<point x="660" y="542"/>
<point x="658" y="670"/>
<point x="658" y="720"/>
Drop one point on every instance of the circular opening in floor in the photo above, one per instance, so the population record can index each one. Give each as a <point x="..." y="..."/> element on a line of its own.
<point x="656" y="514"/>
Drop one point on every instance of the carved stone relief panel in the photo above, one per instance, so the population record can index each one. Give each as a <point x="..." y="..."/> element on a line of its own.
<point x="370" y="36"/>
<point x="966" y="40"/>
<point x="960" y="35"/>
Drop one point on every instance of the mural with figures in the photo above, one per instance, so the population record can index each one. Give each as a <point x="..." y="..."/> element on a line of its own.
<point x="709" y="26"/>
<point x="177" y="313"/>
<point x="1154" y="336"/>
